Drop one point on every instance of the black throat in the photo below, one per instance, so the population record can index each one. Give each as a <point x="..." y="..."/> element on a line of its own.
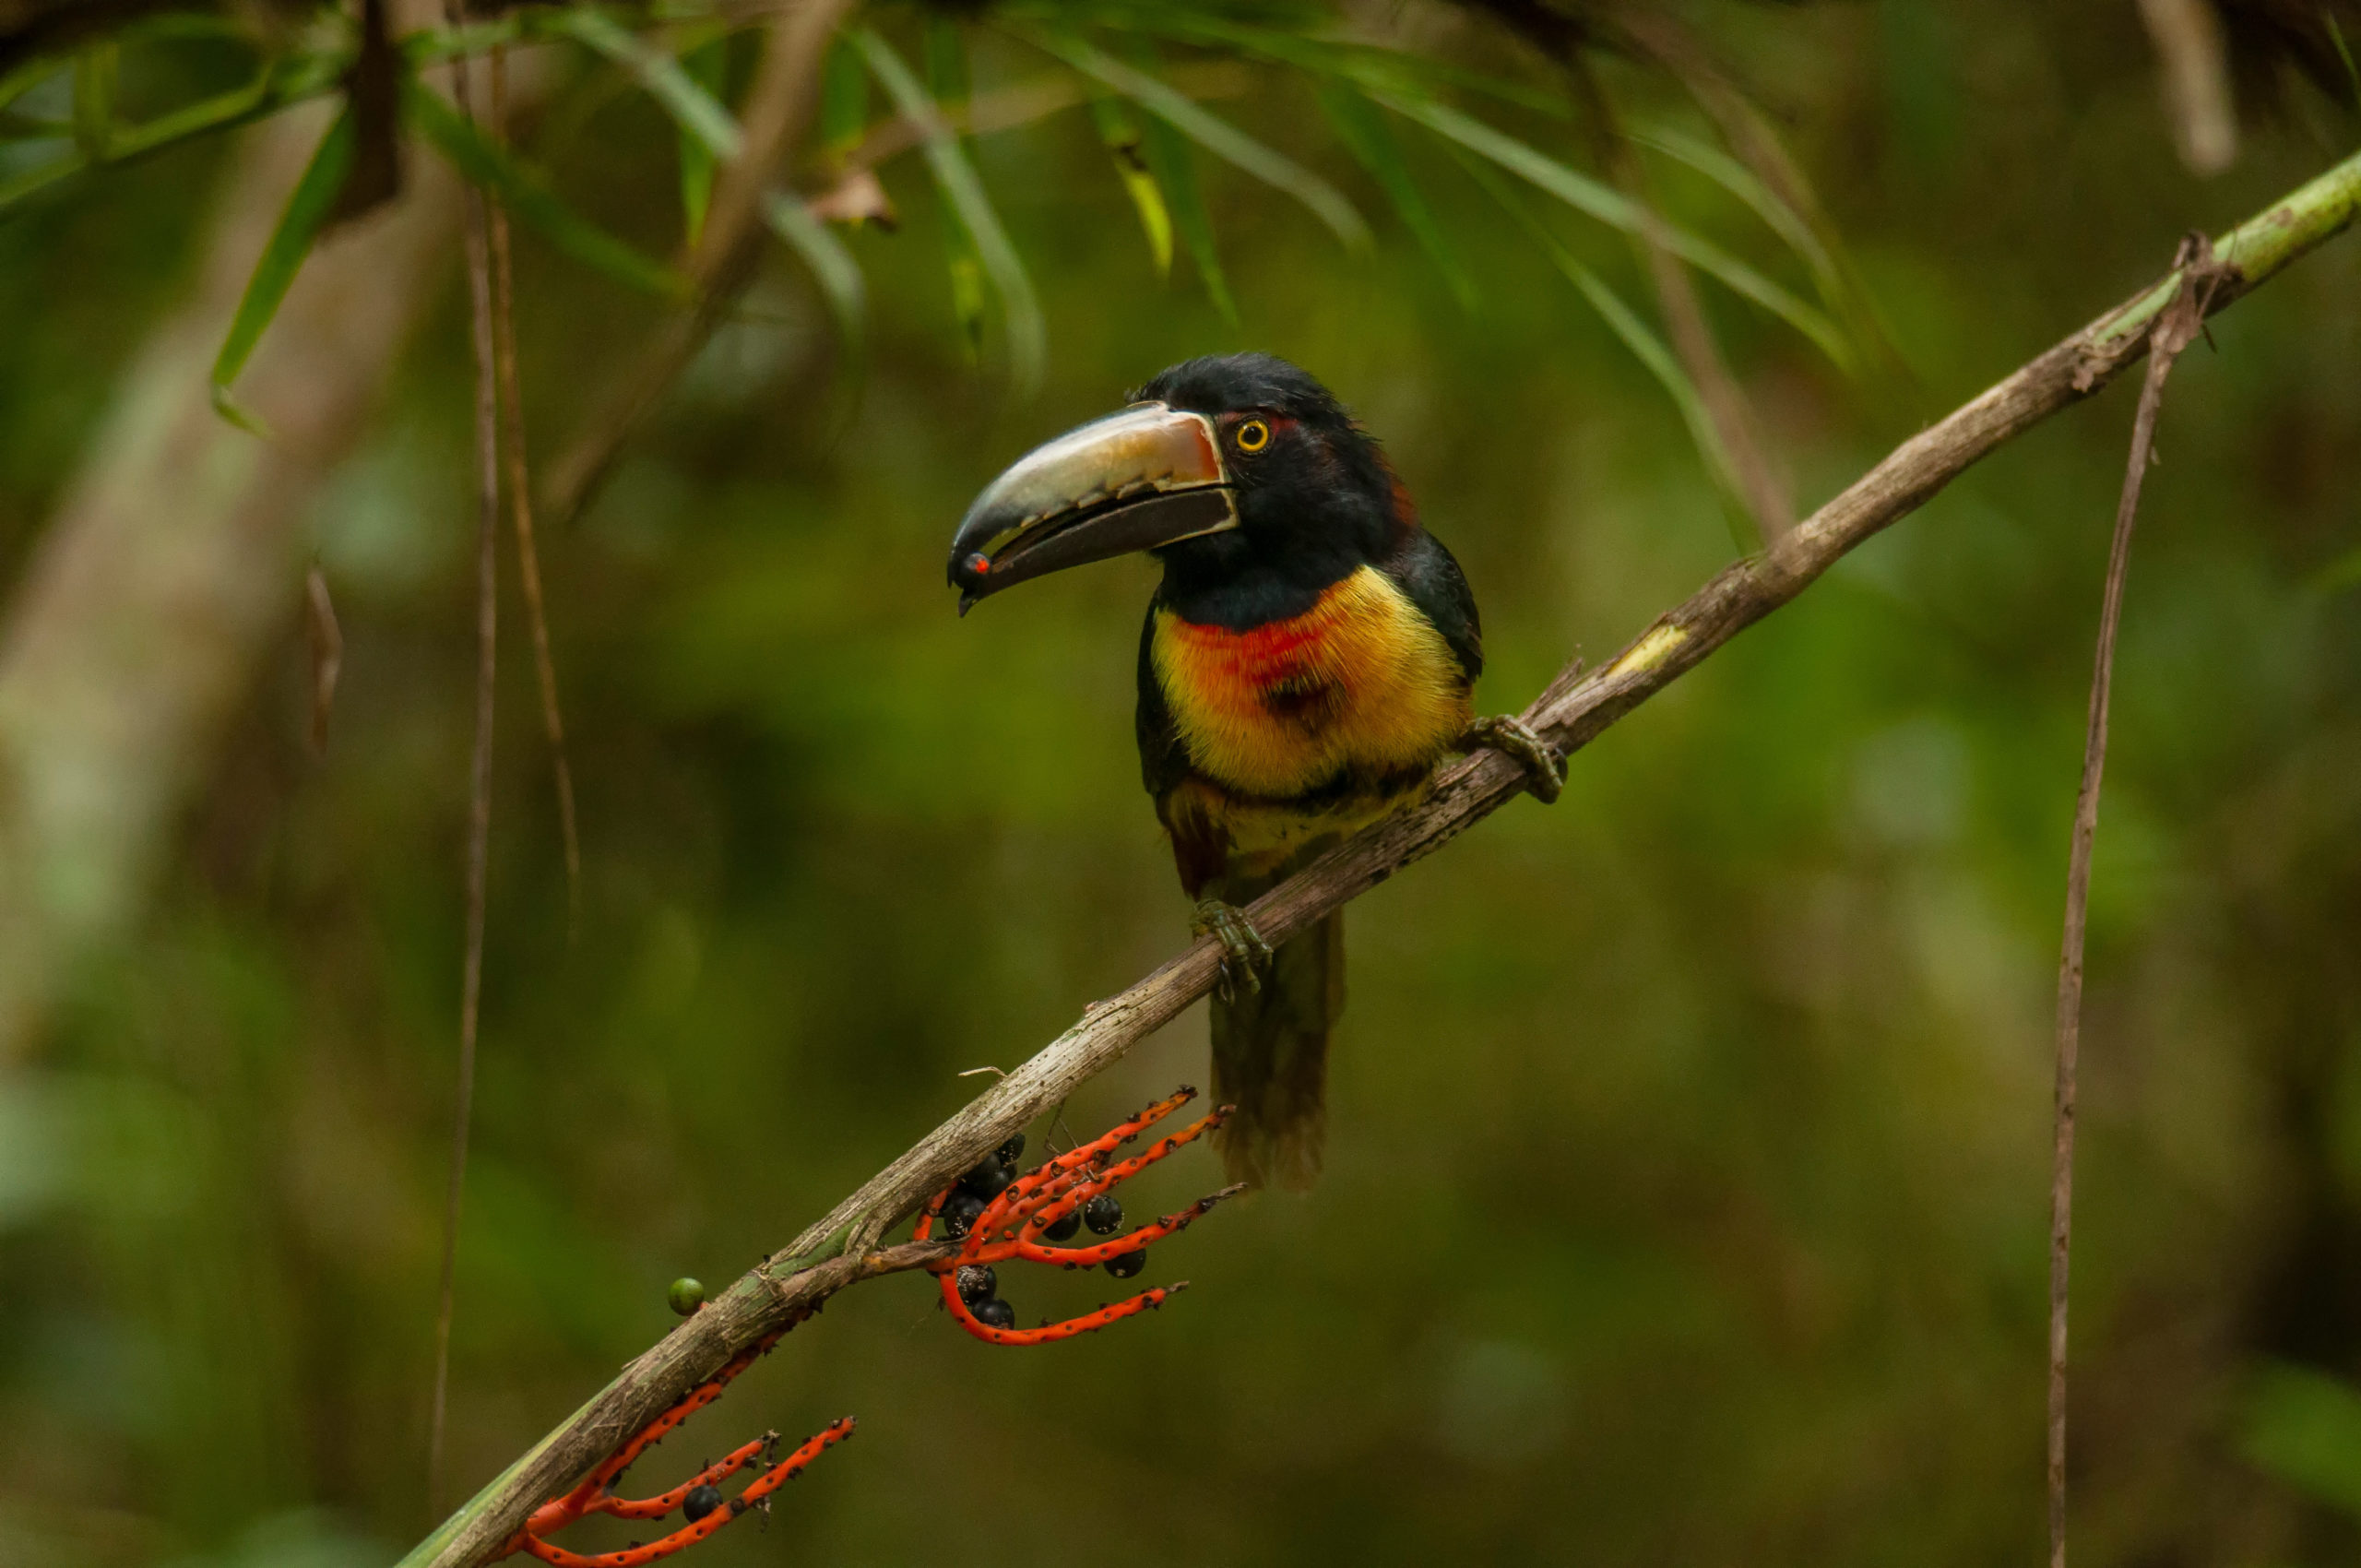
<point x="1241" y="580"/>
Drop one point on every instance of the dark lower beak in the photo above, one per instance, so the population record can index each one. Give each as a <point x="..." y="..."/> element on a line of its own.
<point x="1145" y="478"/>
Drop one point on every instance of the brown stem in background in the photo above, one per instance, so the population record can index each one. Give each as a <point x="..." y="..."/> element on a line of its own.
<point x="723" y="263"/>
<point x="1571" y="711"/>
<point x="1684" y="315"/>
<point x="2175" y="329"/>
<point x="328" y="654"/>
<point x="520" y="503"/>
<point x="1748" y="133"/>
<point x="478" y="774"/>
<point x="2193" y="59"/>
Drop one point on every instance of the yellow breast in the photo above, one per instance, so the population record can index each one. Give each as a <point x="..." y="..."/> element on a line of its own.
<point x="1361" y="683"/>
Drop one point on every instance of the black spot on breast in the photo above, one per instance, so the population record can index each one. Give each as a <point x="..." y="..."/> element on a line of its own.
<point x="1310" y="705"/>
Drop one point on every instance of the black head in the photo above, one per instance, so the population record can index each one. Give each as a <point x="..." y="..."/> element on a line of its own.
<point x="1315" y="497"/>
<point x="1240" y="471"/>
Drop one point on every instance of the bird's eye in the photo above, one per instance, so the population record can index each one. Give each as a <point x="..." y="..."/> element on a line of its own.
<point x="1252" y="436"/>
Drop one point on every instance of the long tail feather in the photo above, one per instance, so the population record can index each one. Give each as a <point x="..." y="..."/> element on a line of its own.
<point x="1271" y="1060"/>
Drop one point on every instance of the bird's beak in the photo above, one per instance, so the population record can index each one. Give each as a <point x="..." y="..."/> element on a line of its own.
<point x="1145" y="478"/>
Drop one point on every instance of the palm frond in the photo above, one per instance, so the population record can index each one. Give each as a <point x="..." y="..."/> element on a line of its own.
<point x="523" y="192"/>
<point x="306" y="213"/>
<point x="1366" y="133"/>
<point x="956" y="178"/>
<point x="1608" y="206"/>
<point x="1211" y="131"/>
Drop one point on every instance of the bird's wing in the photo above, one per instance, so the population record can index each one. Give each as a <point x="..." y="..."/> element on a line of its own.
<point x="1426" y="571"/>
<point x="1163" y="757"/>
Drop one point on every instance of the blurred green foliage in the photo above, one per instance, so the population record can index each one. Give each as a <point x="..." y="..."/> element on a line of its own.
<point x="1687" y="1181"/>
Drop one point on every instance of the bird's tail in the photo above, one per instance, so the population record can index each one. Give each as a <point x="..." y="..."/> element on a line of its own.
<point x="1271" y="1059"/>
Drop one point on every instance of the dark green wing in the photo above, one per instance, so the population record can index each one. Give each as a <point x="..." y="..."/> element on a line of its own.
<point x="1426" y="571"/>
<point x="1164" y="759"/>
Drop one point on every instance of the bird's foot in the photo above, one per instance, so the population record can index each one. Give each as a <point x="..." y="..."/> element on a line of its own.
<point x="1545" y="767"/>
<point x="1001" y="1216"/>
<point x="1244" y="953"/>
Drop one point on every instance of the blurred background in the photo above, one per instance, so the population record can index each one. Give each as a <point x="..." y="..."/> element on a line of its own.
<point x="1687" y="1181"/>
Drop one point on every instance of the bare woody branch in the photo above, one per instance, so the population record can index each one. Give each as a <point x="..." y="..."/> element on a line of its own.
<point x="1575" y="708"/>
<point x="2181" y="324"/>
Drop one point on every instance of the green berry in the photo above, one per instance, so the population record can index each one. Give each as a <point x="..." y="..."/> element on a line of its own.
<point x="686" y="1296"/>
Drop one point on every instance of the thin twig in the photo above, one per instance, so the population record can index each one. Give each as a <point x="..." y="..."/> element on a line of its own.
<point x="1758" y="485"/>
<point x="520" y="505"/>
<point x="2175" y="329"/>
<point x="487" y="423"/>
<point x="328" y="654"/>
<point x="1573" y="710"/>
<point x="723" y="262"/>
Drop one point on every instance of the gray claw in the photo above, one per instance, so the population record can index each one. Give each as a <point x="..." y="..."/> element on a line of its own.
<point x="1545" y="769"/>
<point x="1244" y="953"/>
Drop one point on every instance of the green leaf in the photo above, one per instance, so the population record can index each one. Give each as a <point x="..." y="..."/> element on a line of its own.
<point x="844" y="98"/>
<point x="1172" y="164"/>
<point x="1122" y="134"/>
<point x="2305" y="1428"/>
<point x="1371" y="65"/>
<point x="306" y="212"/>
<point x="23" y="79"/>
<point x="706" y="123"/>
<point x="955" y="177"/>
<point x="832" y="264"/>
<point x="2343" y="573"/>
<point x="1217" y="136"/>
<point x="945" y="54"/>
<point x="706" y="132"/>
<point x="1368" y="136"/>
<point x="1610" y="207"/>
<point x="523" y="193"/>
<point x="94" y="84"/>
<point x="1749" y="187"/>
<point x="2343" y="53"/>
<point x="691" y="104"/>
<point x="708" y="66"/>
<point x="17" y="187"/>
<point x="1651" y="350"/>
<point x="222" y="109"/>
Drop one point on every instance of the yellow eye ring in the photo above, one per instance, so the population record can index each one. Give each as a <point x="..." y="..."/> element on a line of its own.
<point x="1252" y="436"/>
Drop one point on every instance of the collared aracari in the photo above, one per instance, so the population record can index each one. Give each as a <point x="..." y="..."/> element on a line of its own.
<point x="1307" y="659"/>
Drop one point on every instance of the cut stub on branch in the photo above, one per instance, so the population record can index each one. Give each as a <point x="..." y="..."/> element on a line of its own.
<point x="699" y="1500"/>
<point x="1000" y="1216"/>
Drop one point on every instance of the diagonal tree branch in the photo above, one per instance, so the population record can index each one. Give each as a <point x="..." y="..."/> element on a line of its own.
<point x="1574" y="708"/>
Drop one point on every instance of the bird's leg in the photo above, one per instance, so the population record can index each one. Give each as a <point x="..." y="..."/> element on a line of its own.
<point x="1545" y="767"/>
<point x="1244" y="953"/>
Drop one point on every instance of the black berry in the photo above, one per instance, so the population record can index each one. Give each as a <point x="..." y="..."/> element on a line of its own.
<point x="987" y="1180"/>
<point x="1103" y="1215"/>
<point x="1013" y="1150"/>
<point x="1122" y="1266"/>
<point x="959" y="1213"/>
<point x="993" y="1313"/>
<point x="1064" y="1227"/>
<point x="977" y="1283"/>
<point x="701" y="1500"/>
